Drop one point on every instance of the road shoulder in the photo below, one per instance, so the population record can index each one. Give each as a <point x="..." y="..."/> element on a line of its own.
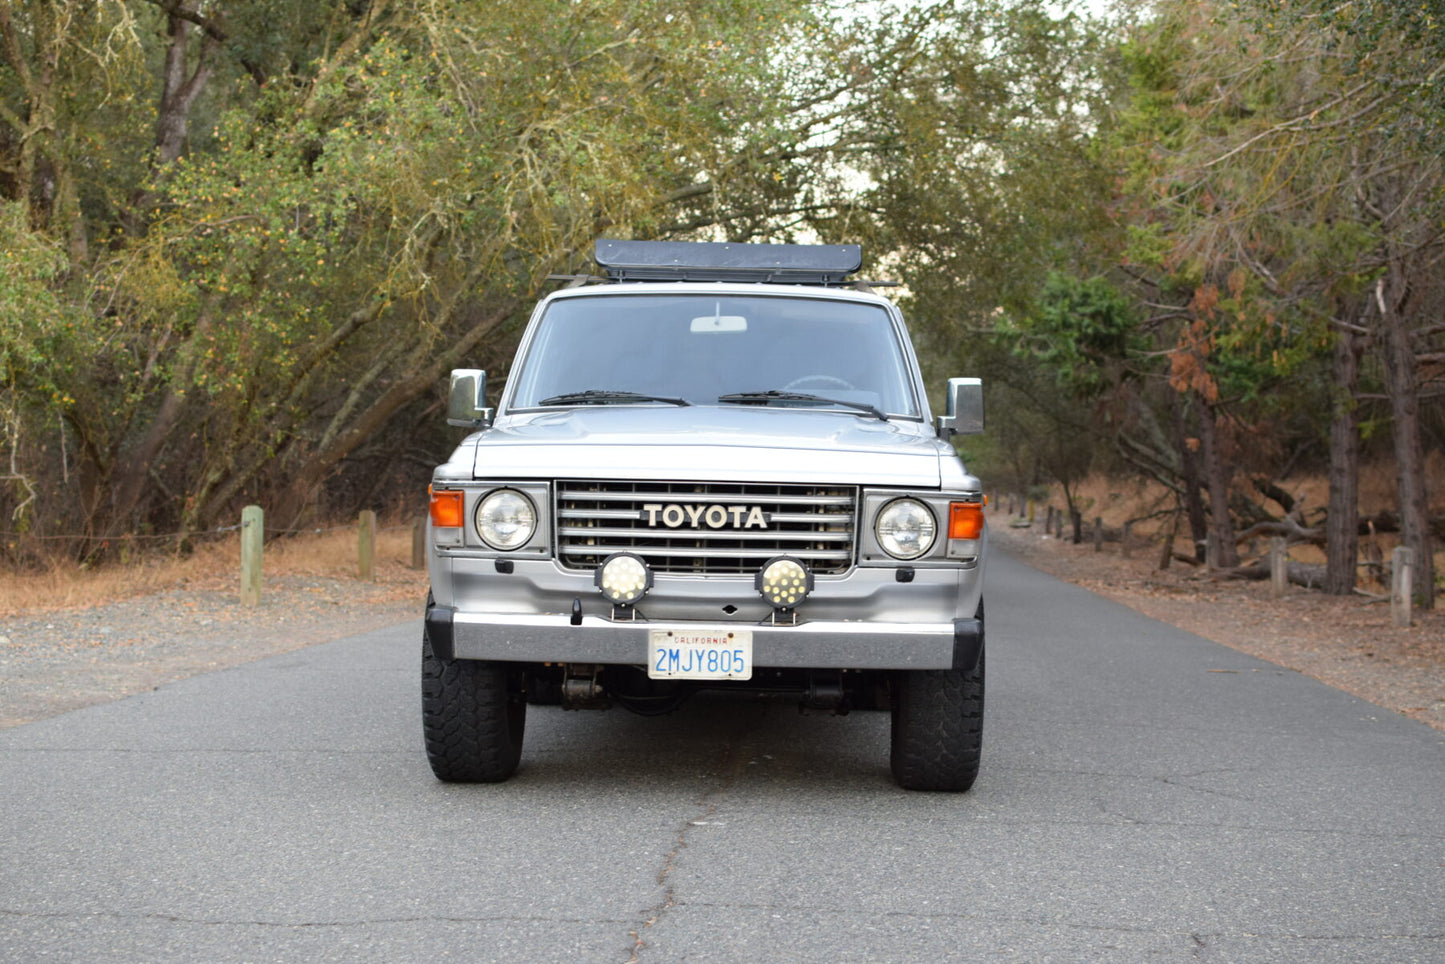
<point x="62" y="660"/>
<point x="1345" y="642"/>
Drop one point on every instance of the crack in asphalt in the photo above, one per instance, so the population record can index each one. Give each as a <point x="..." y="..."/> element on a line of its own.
<point x="1180" y="780"/>
<point x="731" y="765"/>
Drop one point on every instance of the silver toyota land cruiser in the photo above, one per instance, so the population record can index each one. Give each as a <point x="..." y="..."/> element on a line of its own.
<point x="713" y="468"/>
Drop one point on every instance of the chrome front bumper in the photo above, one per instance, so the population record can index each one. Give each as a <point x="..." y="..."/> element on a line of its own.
<point x="811" y="645"/>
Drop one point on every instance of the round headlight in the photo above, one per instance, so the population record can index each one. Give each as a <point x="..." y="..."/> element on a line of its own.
<point x="506" y="519"/>
<point x="905" y="529"/>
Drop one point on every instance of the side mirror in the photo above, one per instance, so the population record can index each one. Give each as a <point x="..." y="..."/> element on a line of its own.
<point x="466" y="400"/>
<point x="963" y="409"/>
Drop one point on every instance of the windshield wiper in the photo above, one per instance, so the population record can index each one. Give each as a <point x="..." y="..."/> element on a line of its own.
<point x="763" y="398"/>
<point x="601" y="396"/>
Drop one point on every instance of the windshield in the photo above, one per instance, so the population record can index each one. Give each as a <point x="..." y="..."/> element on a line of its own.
<point x="697" y="347"/>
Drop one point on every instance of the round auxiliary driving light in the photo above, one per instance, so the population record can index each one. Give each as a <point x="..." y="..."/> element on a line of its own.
<point x="623" y="578"/>
<point x="905" y="529"/>
<point x="784" y="582"/>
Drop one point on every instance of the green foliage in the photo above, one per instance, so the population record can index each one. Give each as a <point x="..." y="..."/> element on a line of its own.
<point x="1083" y="331"/>
<point x="1394" y="47"/>
<point x="37" y="333"/>
<point x="32" y="317"/>
<point x="984" y="177"/>
<point x="368" y="194"/>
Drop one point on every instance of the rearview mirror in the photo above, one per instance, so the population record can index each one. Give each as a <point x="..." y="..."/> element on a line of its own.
<point x="467" y="398"/>
<point x="963" y="408"/>
<point x="719" y="324"/>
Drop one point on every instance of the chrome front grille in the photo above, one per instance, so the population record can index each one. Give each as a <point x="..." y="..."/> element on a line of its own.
<point x="704" y="528"/>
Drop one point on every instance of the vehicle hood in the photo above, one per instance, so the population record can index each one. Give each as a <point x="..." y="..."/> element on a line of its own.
<point x="726" y="443"/>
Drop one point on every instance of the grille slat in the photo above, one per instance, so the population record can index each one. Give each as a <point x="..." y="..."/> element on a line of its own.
<point x="603" y="551"/>
<point x="590" y="532"/>
<point x="695" y="494"/>
<point x="815" y="524"/>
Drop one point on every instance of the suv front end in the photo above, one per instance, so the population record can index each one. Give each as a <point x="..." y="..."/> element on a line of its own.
<point x="712" y="483"/>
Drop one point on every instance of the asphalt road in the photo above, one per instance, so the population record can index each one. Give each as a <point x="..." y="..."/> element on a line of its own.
<point x="1145" y="794"/>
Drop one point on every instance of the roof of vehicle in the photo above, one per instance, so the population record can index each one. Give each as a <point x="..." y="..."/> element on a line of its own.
<point x="726" y="288"/>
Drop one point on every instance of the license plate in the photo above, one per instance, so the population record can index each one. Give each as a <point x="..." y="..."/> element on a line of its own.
<point x="700" y="654"/>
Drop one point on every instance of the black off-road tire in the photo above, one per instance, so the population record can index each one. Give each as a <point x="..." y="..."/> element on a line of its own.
<point x="937" y="728"/>
<point x="473" y="714"/>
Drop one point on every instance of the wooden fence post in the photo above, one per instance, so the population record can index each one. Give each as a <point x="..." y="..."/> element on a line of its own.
<point x="1278" y="567"/>
<point x="366" y="545"/>
<point x="418" y="545"/>
<point x="1402" y="586"/>
<point x="1125" y="539"/>
<point x="253" y="536"/>
<point x="1211" y="552"/>
<point x="1098" y="533"/>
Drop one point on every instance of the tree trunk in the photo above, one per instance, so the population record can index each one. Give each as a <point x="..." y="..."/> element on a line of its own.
<point x="1189" y="466"/>
<point x="131" y="469"/>
<point x="1076" y="518"/>
<point x="1342" y="539"/>
<point x="1403" y="387"/>
<point x="1216" y="479"/>
<point x="179" y="91"/>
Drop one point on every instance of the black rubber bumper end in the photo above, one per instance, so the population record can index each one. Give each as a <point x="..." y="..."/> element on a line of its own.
<point x="439" y="631"/>
<point x="967" y="643"/>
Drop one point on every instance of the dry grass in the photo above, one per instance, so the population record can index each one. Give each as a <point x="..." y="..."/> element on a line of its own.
<point x="331" y="553"/>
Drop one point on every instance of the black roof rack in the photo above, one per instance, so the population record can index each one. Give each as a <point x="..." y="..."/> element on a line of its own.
<point x="802" y="264"/>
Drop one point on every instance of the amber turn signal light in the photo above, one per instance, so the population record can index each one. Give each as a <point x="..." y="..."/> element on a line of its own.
<point x="965" y="520"/>
<point x="447" y="509"/>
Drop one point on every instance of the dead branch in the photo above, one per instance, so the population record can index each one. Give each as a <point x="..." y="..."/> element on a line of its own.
<point x="1298" y="573"/>
<point x="1286" y="527"/>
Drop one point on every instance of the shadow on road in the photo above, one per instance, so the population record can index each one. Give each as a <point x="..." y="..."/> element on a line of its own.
<point x="764" y="741"/>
